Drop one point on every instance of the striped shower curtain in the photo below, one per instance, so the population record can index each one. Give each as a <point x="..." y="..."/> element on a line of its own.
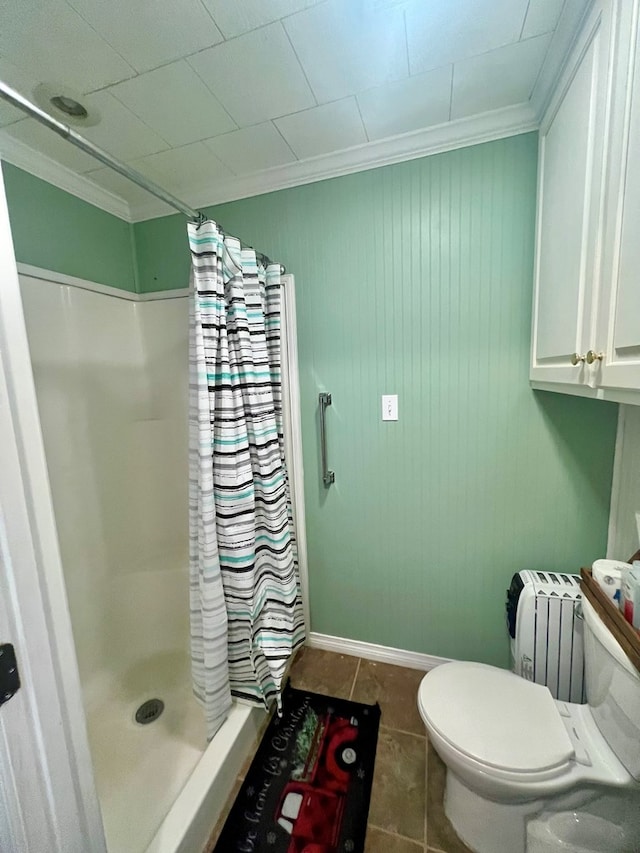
<point x="246" y="609"/>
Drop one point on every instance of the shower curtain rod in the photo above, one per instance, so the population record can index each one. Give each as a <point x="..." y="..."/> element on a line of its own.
<point x="17" y="100"/>
<point x="66" y="132"/>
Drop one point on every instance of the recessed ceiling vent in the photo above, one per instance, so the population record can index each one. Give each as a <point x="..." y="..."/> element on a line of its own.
<point x="65" y="104"/>
<point x="69" y="106"/>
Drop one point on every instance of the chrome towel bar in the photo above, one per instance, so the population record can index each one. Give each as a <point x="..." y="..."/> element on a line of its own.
<point x="328" y="477"/>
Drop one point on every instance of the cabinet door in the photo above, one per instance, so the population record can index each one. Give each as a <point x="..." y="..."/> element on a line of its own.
<point x="569" y="207"/>
<point x="619" y="328"/>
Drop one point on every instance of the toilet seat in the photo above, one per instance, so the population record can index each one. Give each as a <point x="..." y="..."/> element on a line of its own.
<point x="513" y="755"/>
<point x="496" y="721"/>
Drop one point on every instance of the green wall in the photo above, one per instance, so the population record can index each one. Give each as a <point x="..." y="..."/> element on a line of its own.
<point x="415" y="279"/>
<point x="55" y="230"/>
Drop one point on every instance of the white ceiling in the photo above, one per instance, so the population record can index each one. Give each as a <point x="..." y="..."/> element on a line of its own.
<point x="194" y="92"/>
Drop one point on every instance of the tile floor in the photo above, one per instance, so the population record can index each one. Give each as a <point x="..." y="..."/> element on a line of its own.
<point x="406" y="813"/>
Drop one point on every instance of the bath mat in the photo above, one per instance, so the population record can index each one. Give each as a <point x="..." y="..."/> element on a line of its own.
<point x="309" y="785"/>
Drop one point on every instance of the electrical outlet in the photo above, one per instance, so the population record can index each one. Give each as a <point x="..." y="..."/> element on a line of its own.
<point x="389" y="407"/>
<point x="638" y="525"/>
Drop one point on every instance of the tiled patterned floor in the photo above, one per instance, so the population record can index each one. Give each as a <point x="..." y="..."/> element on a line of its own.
<point x="406" y="814"/>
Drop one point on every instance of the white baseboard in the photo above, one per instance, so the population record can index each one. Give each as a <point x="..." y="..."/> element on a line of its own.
<point x="373" y="651"/>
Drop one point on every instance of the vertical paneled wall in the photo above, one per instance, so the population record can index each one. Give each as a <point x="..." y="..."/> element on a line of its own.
<point x="625" y="502"/>
<point x="416" y="279"/>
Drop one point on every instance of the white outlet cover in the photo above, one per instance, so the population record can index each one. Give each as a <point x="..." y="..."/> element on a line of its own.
<point x="389" y="407"/>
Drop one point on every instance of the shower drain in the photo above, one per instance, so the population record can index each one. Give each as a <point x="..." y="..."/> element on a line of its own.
<point x="149" y="711"/>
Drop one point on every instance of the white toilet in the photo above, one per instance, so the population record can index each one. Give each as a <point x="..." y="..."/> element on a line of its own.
<point x="526" y="772"/>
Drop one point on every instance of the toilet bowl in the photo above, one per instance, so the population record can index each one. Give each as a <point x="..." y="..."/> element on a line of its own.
<point x="514" y="754"/>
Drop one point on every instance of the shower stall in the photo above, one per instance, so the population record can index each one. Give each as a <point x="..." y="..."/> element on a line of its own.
<point x="111" y="380"/>
<point x="94" y="545"/>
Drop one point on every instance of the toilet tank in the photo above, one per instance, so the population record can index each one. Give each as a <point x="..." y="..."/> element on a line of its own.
<point x="613" y="690"/>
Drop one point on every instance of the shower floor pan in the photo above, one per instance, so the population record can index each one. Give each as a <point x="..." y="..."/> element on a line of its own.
<point x="141" y="768"/>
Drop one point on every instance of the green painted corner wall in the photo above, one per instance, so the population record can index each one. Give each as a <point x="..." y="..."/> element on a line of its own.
<point x="55" y="230"/>
<point x="413" y="279"/>
<point x="416" y="279"/>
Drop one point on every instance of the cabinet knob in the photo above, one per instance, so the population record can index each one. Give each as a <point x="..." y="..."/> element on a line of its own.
<point x="577" y="359"/>
<point x="594" y="356"/>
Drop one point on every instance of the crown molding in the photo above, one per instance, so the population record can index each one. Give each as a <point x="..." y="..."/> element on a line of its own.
<point x="24" y="157"/>
<point x="484" y="127"/>
<point x="565" y="34"/>
<point x="462" y="133"/>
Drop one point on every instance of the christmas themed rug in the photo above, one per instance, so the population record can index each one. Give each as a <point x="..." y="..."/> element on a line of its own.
<point x="309" y="785"/>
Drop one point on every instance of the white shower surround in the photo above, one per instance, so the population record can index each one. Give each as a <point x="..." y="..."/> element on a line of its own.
<point x="111" y="383"/>
<point x="111" y="374"/>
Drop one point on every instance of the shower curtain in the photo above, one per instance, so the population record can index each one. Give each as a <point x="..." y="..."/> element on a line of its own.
<point x="246" y="608"/>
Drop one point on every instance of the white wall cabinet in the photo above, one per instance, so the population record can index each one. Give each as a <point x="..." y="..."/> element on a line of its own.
<point x="619" y="310"/>
<point x="586" y="312"/>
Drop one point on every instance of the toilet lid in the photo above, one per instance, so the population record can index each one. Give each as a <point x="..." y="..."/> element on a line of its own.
<point x="495" y="717"/>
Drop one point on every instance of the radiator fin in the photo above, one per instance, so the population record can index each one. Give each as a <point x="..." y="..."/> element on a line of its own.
<point x="548" y="646"/>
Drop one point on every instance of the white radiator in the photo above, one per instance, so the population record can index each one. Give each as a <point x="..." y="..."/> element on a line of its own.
<point x="546" y="634"/>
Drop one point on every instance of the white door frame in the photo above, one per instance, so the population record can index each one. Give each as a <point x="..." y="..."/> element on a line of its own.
<point x="48" y="799"/>
<point x="293" y="432"/>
